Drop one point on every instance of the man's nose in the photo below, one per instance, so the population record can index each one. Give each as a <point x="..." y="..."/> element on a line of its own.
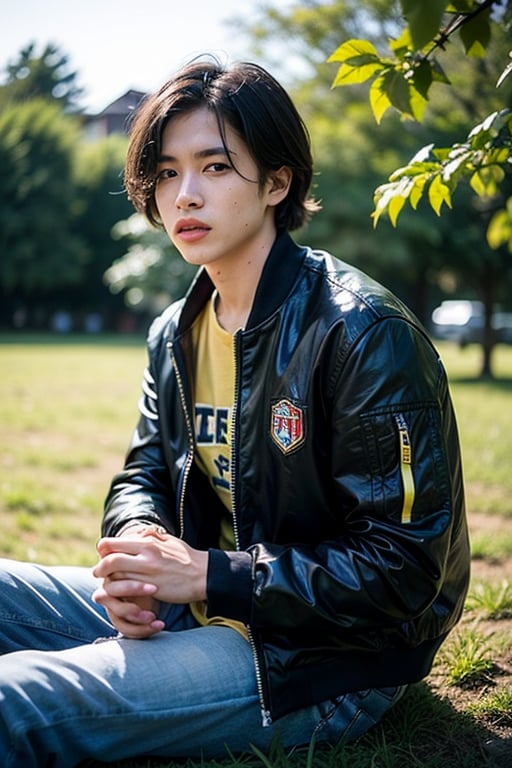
<point x="189" y="195"/>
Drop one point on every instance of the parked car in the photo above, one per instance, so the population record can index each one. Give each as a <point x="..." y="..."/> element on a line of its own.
<point x="462" y="321"/>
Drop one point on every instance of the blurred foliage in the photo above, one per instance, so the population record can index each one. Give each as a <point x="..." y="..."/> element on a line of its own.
<point x="100" y="202"/>
<point x="60" y="196"/>
<point x="403" y="79"/>
<point x="151" y="272"/>
<point x="43" y="76"/>
<point x="40" y="250"/>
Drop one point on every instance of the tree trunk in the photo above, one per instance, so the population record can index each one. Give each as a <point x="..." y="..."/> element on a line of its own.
<point x="488" y="341"/>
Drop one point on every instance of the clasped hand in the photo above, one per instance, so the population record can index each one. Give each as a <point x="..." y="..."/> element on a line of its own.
<point x="141" y="569"/>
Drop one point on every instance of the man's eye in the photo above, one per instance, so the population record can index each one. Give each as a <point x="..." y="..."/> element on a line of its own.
<point x="218" y="167"/>
<point x="166" y="173"/>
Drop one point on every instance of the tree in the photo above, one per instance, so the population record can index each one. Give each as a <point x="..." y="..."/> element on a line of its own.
<point x="46" y="76"/>
<point x="403" y="81"/>
<point x="151" y="273"/>
<point x="100" y="202"/>
<point x="39" y="249"/>
<point x="60" y="197"/>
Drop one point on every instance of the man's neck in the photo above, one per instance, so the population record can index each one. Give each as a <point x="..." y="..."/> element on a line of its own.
<point x="236" y="287"/>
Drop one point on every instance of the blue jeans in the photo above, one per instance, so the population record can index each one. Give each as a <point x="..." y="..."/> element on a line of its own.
<point x="71" y="688"/>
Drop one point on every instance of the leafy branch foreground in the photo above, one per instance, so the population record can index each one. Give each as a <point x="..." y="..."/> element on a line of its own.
<point x="402" y="80"/>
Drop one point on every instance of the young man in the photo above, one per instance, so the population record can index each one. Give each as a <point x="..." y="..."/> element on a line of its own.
<point x="286" y="547"/>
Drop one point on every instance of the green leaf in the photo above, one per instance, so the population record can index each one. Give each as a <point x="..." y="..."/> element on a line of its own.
<point x="438" y="73"/>
<point x="418" y="189"/>
<point x="482" y="132"/>
<point x="460" y="6"/>
<point x="444" y="153"/>
<point x="360" y="61"/>
<point x="353" y="49"/>
<point x="499" y="231"/>
<point x="499" y="155"/>
<point x="402" y="45"/>
<point x="390" y="198"/>
<point x="381" y="198"/>
<point x="424" y="19"/>
<point x="398" y="91"/>
<point x="423" y="77"/>
<point x="396" y="204"/>
<point x="379" y="99"/>
<point x="417" y="103"/>
<point x="439" y="193"/>
<point x="476" y="34"/>
<point x="423" y="155"/>
<point x="349" y="75"/>
<point x="456" y="163"/>
<point x="413" y="170"/>
<point x="485" y="181"/>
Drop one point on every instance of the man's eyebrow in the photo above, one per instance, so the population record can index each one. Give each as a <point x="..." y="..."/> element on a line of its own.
<point x="200" y="154"/>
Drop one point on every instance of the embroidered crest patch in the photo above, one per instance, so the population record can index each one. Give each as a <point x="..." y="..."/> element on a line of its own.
<point x="287" y="425"/>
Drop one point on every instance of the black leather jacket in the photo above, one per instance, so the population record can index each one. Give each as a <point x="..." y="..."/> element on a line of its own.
<point x="352" y="553"/>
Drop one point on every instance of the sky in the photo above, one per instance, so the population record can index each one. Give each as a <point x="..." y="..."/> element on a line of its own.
<point x="115" y="45"/>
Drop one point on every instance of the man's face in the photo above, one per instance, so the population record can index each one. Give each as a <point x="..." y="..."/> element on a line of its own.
<point x="215" y="215"/>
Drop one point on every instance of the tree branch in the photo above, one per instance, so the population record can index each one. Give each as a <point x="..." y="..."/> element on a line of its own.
<point x="460" y="19"/>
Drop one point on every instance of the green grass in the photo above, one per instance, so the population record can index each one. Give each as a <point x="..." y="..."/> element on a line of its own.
<point x="467" y="657"/>
<point x="499" y="705"/>
<point x="484" y="415"/>
<point x="493" y="601"/>
<point x="488" y="546"/>
<point x="67" y="409"/>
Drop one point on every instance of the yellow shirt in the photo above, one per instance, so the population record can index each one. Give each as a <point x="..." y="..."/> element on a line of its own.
<point x="213" y="396"/>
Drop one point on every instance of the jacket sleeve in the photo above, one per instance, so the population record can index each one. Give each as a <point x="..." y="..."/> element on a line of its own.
<point x="399" y="541"/>
<point x="142" y="491"/>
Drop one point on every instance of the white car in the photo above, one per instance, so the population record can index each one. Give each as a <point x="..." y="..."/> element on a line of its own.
<point x="462" y="321"/>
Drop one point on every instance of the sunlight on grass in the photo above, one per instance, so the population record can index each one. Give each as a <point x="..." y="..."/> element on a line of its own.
<point x="484" y="413"/>
<point x="467" y="657"/>
<point x="493" y="601"/>
<point x="497" y="705"/>
<point x="486" y="546"/>
<point x="67" y="412"/>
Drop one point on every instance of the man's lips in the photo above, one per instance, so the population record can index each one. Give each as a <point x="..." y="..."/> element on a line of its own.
<point x="191" y="229"/>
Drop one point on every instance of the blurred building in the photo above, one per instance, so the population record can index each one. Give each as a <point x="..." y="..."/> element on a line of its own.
<point x="114" y="118"/>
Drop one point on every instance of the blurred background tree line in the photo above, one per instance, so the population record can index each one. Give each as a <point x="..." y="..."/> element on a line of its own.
<point x="64" y="216"/>
<point x="69" y="241"/>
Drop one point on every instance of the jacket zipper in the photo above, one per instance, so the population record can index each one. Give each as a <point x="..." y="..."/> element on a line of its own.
<point x="191" y="442"/>
<point x="405" y="467"/>
<point x="266" y="717"/>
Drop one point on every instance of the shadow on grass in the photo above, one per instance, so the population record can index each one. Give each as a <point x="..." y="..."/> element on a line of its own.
<point x="500" y="384"/>
<point x="422" y="731"/>
<point x="47" y="338"/>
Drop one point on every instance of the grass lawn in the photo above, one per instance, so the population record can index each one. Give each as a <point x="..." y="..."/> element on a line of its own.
<point x="67" y="408"/>
<point x="67" y="411"/>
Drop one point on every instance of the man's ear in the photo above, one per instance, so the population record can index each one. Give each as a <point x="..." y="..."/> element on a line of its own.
<point x="279" y="184"/>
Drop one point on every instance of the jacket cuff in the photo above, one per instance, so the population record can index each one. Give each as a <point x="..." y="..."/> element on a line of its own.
<point x="229" y="585"/>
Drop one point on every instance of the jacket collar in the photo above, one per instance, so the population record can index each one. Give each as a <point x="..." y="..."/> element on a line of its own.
<point x="279" y="273"/>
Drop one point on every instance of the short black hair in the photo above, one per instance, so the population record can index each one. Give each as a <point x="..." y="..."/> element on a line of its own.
<point x="252" y="102"/>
